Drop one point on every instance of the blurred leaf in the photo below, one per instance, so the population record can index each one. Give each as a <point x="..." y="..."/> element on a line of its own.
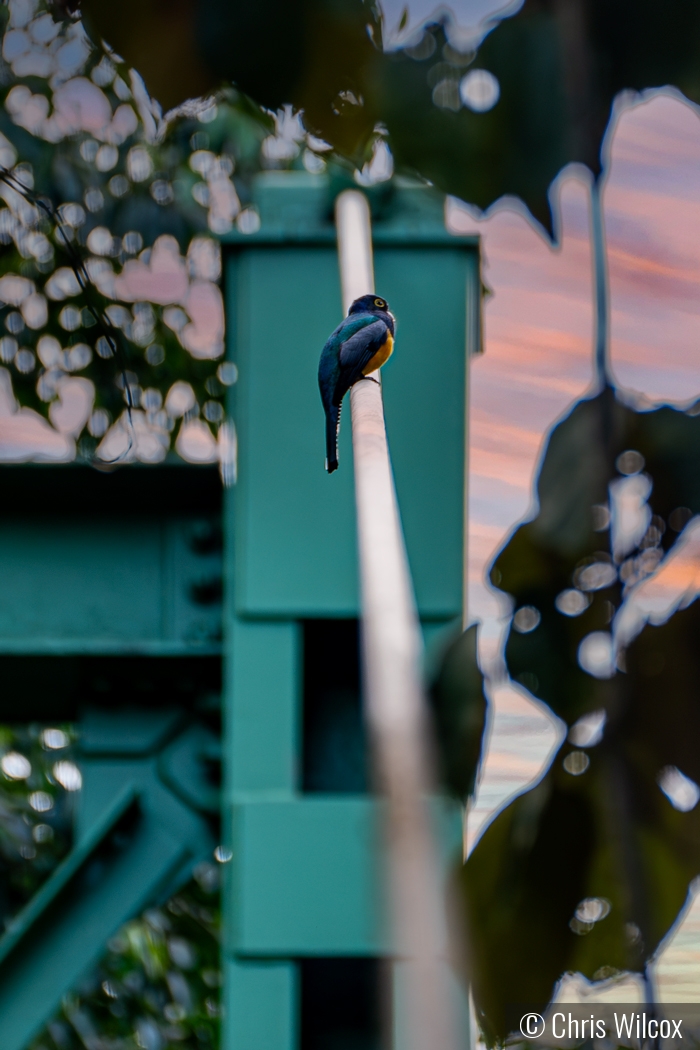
<point x="36" y="815"/>
<point x="278" y="53"/>
<point x="459" y="709"/>
<point x="545" y="557"/>
<point x="158" y="983"/>
<point x="121" y="188"/>
<point x="173" y="69"/>
<point x="598" y="828"/>
<point x="604" y="845"/>
<point x="557" y="66"/>
<point x="325" y="58"/>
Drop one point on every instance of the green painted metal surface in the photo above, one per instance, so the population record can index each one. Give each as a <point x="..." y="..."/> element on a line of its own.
<point x="308" y="879"/>
<point x="121" y="817"/>
<point x="294" y="527"/>
<point x="140" y="830"/>
<point x="134" y="733"/>
<point x="305" y="878"/>
<point x="297" y="208"/>
<point x="262" y="715"/>
<point x="110" y="876"/>
<point x="262" y="999"/>
<point x="103" y="587"/>
<point x="94" y="565"/>
<point x="295" y="535"/>
<point x="185" y="767"/>
<point x="424" y="396"/>
<point x="107" y="578"/>
<point x="114" y="759"/>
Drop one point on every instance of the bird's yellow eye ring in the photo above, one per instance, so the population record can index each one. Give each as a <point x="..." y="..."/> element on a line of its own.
<point x="379" y="302"/>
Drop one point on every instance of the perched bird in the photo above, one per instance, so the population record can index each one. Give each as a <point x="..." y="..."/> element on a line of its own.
<point x="361" y="344"/>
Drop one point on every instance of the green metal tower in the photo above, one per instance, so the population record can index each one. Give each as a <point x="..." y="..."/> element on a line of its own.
<point x="112" y="613"/>
<point x="305" y="882"/>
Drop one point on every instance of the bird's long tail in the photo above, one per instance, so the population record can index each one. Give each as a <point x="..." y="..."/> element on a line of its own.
<point x="332" y="428"/>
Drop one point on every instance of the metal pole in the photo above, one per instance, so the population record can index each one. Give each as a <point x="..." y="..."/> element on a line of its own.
<point x="395" y="708"/>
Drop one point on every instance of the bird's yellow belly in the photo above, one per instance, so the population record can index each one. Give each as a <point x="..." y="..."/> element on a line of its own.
<point x="381" y="357"/>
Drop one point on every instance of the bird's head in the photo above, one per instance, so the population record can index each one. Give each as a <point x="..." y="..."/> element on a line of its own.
<point x="370" y="304"/>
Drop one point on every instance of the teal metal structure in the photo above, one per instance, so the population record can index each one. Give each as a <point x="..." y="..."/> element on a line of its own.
<point x="113" y="613"/>
<point x="110" y="615"/>
<point x="305" y="879"/>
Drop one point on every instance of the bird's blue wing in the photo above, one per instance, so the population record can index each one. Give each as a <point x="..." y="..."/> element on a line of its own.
<point x="356" y="353"/>
<point x="329" y="366"/>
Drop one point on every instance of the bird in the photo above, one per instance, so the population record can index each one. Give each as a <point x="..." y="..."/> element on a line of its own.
<point x="361" y="344"/>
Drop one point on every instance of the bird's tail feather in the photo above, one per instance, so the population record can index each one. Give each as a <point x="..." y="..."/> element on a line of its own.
<point x="332" y="428"/>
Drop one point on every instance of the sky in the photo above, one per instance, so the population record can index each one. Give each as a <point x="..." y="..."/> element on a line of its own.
<point x="538" y="361"/>
<point x="539" y="318"/>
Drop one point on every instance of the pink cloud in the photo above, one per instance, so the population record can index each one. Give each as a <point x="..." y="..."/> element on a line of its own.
<point x="652" y="210"/>
<point x="537" y="360"/>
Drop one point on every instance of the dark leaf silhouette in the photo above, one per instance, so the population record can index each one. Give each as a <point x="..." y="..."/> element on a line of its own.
<point x="560" y="550"/>
<point x="558" y="65"/>
<point x="589" y="870"/>
<point x="459" y="710"/>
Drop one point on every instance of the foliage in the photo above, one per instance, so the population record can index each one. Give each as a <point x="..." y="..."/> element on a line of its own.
<point x="589" y="869"/>
<point x="90" y="166"/>
<point x="496" y="111"/>
<point x="157" y="984"/>
<point x="35" y="809"/>
<point x="459" y="712"/>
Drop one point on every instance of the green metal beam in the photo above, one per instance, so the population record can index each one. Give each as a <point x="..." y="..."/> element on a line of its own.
<point x="306" y="877"/>
<point x="262" y="1004"/>
<point x="137" y="574"/>
<point x="114" y="873"/>
<point x="99" y="571"/>
<point x="142" y="825"/>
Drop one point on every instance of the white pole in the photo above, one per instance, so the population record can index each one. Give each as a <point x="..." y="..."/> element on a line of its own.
<point x="395" y="706"/>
